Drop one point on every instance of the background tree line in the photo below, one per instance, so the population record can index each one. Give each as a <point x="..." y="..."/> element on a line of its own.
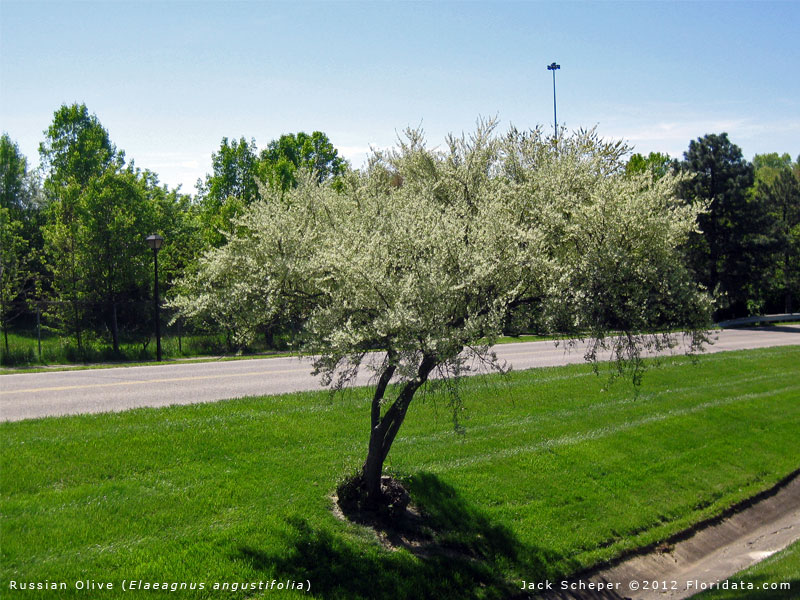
<point x="746" y="250"/>
<point x="72" y="231"/>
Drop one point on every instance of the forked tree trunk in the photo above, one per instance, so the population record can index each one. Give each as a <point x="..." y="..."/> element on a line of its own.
<point x="384" y="429"/>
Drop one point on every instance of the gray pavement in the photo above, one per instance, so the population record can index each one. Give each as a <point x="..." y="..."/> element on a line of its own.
<point x="35" y="395"/>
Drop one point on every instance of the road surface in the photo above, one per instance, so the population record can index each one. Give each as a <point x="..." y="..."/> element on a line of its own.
<point x="34" y="395"/>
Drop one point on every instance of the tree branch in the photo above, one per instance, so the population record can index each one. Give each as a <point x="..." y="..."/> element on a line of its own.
<point x="380" y="390"/>
<point x="395" y="416"/>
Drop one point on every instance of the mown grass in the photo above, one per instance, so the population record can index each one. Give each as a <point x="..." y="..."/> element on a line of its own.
<point x="171" y="361"/>
<point x="765" y="578"/>
<point x="554" y="470"/>
<point x="23" y="350"/>
<point x="57" y="351"/>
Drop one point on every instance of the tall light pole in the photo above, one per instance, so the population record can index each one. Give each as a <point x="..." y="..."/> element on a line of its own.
<point x="155" y="241"/>
<point x="554" y="67"/>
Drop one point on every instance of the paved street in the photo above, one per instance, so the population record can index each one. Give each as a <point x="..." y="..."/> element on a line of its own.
<point x="25" y="396"/>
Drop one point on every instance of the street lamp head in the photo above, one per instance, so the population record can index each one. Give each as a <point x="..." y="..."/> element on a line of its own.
<point x="155" y="241"/>
<point x="553" y="67"/>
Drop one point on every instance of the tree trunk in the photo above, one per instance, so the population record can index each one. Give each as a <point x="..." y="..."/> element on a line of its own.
<point x="114" y="329"/>
<point x="384" y="429"/>
<point x="269" y="338"/>
<point x="373" y="467"/>
<point x="371" y="471"/>
<point x="77" y="328"/>
<point x="5" y="324"/>
<point x="787" y="284"/>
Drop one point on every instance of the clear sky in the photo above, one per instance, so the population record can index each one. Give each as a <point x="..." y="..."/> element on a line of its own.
<point x="170" y="79"/>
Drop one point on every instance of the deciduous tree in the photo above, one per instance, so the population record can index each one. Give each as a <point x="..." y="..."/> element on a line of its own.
<point x="779" y="194"/>
<point x="76" y="150"/>
<point x="283" y="158"/>
<point x="19" y="252"/>
<point x="411" y="268"/>
<point x="232" y="186"/>
<point x="114" y="212"/>
<point x="13" y="174"/>
<point x="656" y="162"/>
<point x="76" y="147"/>
<point x="14" y="273"/>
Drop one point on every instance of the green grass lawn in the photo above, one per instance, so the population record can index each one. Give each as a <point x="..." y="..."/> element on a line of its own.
<point x="765" y="578"/>
<point x="60" y="353"/>
<point x="149" y="363"/>
<point x="23" y="354"/>
<point x="23" y="349"/>
<point x="554" y="470"/>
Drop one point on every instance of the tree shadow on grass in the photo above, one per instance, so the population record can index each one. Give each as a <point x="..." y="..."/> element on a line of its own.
<point x="454" y="551"/>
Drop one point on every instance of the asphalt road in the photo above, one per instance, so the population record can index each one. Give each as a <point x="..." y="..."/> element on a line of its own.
<point x="35" y="395"/>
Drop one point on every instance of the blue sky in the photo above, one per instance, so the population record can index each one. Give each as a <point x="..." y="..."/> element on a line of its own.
<point x="170" y="79"/>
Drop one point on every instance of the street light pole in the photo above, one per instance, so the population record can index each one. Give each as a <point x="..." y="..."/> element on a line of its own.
<point x="155" y="241"/>
<point x="554" y="67"/>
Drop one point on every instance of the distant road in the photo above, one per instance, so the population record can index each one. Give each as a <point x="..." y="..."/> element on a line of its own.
<point x="34" y="395"/>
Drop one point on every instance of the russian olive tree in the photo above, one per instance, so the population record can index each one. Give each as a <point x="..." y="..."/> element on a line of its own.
<point x="411" y="267"/>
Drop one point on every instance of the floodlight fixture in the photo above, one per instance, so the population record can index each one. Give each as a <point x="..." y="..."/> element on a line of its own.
<point x="554" y="67"/>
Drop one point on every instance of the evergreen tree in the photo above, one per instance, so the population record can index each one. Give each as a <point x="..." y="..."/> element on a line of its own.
<point x="727" y="254"/>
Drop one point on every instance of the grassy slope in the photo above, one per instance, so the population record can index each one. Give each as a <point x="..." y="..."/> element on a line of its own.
<point x="552" y="474"/>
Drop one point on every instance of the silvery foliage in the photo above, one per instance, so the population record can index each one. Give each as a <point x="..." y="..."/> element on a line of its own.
<point x="424" y="252"/>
